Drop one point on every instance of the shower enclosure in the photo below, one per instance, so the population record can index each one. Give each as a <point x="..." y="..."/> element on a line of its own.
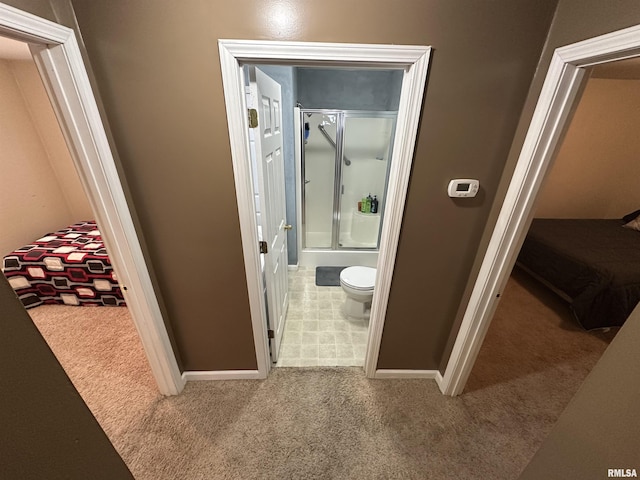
<point x="344" y="164"/>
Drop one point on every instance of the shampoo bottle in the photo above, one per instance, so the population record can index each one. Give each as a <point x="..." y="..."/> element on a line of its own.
<point x="374" y="204"/>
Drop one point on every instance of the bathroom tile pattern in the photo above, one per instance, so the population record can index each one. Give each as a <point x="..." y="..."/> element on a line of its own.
<point x="317" y="332"/>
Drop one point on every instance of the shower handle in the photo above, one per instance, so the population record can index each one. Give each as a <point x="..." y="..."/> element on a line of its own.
<point x="306" y="181"/>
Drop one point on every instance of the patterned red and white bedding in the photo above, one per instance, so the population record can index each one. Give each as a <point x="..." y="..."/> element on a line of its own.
<point x="69" y="267"/>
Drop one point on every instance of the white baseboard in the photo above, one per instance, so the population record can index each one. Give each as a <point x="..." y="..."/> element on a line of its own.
<point x="293" y="268"/>
<point x="398" y="373"/>
<point x="222" y="375"/>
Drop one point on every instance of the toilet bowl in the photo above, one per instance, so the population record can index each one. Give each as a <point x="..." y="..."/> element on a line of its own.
<point x="358" y="283"/>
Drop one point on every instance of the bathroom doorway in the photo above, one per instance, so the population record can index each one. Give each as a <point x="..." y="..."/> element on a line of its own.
<point x="339" y="160"/>
<point x="343" y="160"/>
<point x="412" y="62"/>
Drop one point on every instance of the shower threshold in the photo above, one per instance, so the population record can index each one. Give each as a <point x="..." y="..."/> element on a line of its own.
<point x="337" y="258"/>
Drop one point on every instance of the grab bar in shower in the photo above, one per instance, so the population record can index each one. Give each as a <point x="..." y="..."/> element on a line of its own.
<point x="347" y="162"/>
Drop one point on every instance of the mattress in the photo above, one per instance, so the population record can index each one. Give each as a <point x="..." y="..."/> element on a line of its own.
<point x="595" y="263"/>
<point x="69" y="267"/>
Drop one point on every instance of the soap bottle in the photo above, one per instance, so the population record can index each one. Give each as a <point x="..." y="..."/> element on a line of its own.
<point x="363" y="205"/>
<point x="374" y="204"/>
<point x="368" y="206"/>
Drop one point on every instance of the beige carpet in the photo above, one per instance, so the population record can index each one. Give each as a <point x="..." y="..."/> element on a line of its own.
<point x="333" y="423"/>
<point x="101" y="352"/>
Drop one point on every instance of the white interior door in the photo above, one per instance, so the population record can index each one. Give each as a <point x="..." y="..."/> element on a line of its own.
<point x="266" y="98"/>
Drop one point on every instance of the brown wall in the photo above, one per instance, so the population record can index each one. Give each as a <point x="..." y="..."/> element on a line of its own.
<point x="575" y="20"/>
<point x="599" y="429"/>
<point x="48" y="431"/>
<point x="41" y="8"/>
<point x="57" y="426"/>
<point x="157" y="68"/>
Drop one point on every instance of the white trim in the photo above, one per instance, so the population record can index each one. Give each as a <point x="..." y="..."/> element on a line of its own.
<point x="293" y="268"/>
<point x="57" y="56"/>
<point x="325" y="54"/>
<point x="398" y="373"/>
<point x="233" y="83"/>
<point x="415" y="61"/>
<point x="413" y="84"/>
<point x="439" y="381"/>
<point x="190" y="376"/>
<point x="557" y="97"/>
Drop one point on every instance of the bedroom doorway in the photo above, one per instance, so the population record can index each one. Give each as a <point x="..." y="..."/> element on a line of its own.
<point x="46" y="210"/>
<point x="565" y="80"/>
<point x="55" y="50"/>
<point x="549" y="317"/>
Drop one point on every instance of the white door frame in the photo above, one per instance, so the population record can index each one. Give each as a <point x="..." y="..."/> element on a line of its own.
<point x="557" y="98"/>
<point x="415" y="61"/>
<point x="57" y="55"/>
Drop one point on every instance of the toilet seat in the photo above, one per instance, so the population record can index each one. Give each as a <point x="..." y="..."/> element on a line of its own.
<point x="359" y="278"/>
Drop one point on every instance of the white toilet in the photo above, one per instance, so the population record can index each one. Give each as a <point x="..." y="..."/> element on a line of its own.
<point x="358" y="283"/>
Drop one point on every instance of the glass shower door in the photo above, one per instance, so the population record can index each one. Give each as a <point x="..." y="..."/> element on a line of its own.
<point x="367" y="149"/>
<point x="318" y="177"/>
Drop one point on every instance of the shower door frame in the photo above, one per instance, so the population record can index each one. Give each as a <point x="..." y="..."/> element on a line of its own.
<point x="337" y="174"/>
<point x="342" y="115"/>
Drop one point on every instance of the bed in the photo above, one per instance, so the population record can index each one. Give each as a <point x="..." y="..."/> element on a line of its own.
<point x="69" y="267"/>
<point x="593" y="264"/>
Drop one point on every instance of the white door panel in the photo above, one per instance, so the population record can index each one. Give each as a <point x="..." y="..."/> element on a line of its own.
<point x="266" y="97"/>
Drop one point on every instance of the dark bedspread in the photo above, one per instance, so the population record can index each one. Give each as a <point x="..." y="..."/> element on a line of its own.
<point x="594" y="262"/>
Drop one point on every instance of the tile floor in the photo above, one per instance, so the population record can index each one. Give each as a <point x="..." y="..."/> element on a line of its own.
<point x="316" y="332"/>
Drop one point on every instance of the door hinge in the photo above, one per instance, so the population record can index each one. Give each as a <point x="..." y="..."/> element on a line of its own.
<point x="263" y="246"/>
<point x="253" y="118"/>
<point x="270" y="334"/>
